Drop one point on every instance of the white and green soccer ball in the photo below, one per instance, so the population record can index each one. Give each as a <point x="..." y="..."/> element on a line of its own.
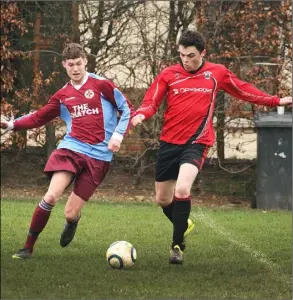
<point x="121" y="255"/>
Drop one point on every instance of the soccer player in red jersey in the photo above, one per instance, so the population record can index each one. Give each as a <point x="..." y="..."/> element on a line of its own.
<point x="190" y="88"/>
<point x="88" y="104"/>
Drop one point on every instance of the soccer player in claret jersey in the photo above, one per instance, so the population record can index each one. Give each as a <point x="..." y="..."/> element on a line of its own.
<point x="190" y="88"/>
<point x="88" y="104"/>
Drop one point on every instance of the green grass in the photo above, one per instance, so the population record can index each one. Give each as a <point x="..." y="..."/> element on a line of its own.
<point x="234" y="253"/>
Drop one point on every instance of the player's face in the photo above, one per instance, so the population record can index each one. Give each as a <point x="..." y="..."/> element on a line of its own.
<point x="75" y="69"/>
<point x="191" y="58"/>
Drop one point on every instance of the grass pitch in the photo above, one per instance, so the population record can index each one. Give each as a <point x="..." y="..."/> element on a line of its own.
<point x="233" y="253"/>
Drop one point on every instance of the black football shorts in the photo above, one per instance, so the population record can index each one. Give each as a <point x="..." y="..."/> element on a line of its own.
<point x="170" y="157"/>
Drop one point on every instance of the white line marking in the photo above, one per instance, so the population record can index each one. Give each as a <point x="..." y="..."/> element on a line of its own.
<point x="259" y="256"/>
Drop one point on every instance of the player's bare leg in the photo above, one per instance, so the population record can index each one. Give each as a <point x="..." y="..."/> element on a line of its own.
<point x="60" y="180"/>
<point x="72" y="214"/>
<point x="165" y="196"/>
<point x="181" y="211"/>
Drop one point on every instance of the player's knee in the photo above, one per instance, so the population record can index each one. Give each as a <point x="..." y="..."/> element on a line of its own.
<point x="182" y="191"/>
<point x="163" y="201"/>
<point x="71" y="213"/>
<point x="50" y="198"/>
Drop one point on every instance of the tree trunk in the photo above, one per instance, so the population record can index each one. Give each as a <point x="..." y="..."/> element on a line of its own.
<point x="36" y="60"/>
<point x="20" y="138"/>
<point x="75" y="24"/>
<point x="95" y="44"/>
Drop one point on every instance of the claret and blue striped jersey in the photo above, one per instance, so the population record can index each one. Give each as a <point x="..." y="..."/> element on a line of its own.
<point x="90" y="112"/>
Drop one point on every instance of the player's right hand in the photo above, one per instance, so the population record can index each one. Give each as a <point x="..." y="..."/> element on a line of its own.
<point x="3" y="125"/>
<point x="6" y="125"/>
<point x="137" y="120"/>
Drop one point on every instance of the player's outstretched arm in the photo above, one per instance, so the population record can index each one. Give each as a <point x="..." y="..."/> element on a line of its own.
<point x="137" y="120"/>
<point x="36" y="119"/>
<point x="286" y="101"/>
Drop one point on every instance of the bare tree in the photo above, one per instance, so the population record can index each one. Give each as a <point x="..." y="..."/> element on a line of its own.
<point x="103" y="24"/>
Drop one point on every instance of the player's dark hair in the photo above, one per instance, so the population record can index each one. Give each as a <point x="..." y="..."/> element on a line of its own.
<point x="73" y="51"/>
<point x="192" y="38"/>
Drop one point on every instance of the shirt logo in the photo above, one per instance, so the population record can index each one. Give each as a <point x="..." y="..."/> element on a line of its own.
<point x="89" y="94"/>
<point x="192" y="90"/>
<point x="70" y="98"/>
<point x="207" y="74"/>
<point x="83" y="110"/>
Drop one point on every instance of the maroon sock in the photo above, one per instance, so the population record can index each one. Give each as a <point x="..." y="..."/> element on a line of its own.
<point x="38" y="223"/>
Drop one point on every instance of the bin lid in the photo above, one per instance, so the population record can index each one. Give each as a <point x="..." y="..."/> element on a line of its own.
<point x="273" y="119"/>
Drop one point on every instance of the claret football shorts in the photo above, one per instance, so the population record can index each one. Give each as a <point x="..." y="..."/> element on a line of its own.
<point x="171" y="157"/>
<point x="88" y="172"/>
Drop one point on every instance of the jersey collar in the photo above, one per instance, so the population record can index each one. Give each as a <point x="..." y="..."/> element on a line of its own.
<point x="194" y="72"/>
<point x="78" y="86"/>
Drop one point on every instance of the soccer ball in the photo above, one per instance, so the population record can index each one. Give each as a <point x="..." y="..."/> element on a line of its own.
<point x="121" y="255"/>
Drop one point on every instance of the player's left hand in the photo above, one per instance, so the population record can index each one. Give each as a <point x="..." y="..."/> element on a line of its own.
<point x="114" y="145"/>
<point x="137" y="120"/>
<point x="286" y="101"/>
